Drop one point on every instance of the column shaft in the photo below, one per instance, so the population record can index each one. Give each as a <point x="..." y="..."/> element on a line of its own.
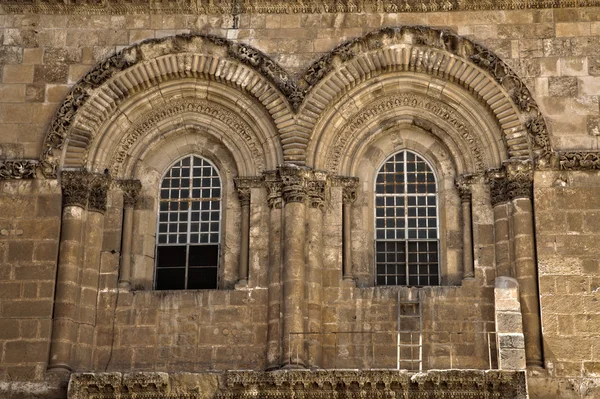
<point x="314" y="285"/>
<point x="348" y="273"/>
<point x="245" y="243"/>
<point x="502" y="241"/>
<point x="469" y="268"/>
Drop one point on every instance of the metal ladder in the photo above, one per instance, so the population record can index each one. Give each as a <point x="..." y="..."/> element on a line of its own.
<point x="409" y="338"/>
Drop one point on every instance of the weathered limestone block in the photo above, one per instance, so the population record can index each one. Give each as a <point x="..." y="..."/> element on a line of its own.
<point x="510" y="342"/>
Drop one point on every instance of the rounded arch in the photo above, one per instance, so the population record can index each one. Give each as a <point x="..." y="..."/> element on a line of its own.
<point x="449" y="64"/>
<point x="208" y="67"/>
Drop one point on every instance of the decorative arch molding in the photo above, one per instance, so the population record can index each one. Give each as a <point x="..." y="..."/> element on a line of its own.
<point x="295" y="105"/>
<point x="437" y="53"/>
<point x="153" y="63"/>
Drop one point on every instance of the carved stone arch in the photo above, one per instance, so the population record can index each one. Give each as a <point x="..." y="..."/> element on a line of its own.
<point x="452" y="60"/>
<point x="459" y="123"/>
<point x="261" y="87"/>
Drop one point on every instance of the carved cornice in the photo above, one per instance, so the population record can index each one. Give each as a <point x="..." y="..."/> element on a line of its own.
<point x="317" y="384"/>
<point x="578" y="160"/>
<point x="18" y="169"/>
<point x="211" y="7"/>
<point x="444" y="112"/>
<point x="75" y="188"/>
<point x="496" y="178"/>
<point x="244" y="187"/>
<point x="294" y="181"/>
<point x="463" y="184"/>
<point x="520" y="179"/>
<point x="274" y="187"/>
<point x="131" y="191"/>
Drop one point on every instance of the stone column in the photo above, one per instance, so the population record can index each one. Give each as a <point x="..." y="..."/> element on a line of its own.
<point x="131" y="190"/>
<point x="349" y="185"/>
<point x="274" y="329"/>
<point x="520" y="191"/>
<point x="510" y="344"/>
<point x="90" y="269"/>
<point x="499" y="196"/>
<point x="244" y="196"/>
<point x="463" y="184"/>
<point x="294" y="192"/>
<point x="314" y="287"/>
<point x="75" y="186"/>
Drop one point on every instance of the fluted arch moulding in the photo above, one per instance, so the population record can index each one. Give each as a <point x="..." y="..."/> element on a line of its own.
<point x="436" y="53"/>
<point x="151" y="65"/>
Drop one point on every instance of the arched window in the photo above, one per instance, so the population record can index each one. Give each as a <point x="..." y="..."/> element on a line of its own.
<point x="189" y="226"/>
<point x="406" y="222"/>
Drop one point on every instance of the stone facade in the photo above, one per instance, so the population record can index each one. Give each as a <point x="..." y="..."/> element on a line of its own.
<point x="297" y="105"/>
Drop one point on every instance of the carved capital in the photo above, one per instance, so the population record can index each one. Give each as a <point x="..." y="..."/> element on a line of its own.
<point x="18" y="169"/>
<point x="97" y="194"/>
<point x="520" y="179"/>
<point x="244" y="186"/>
<point x="463" y="184"/>
<point x="349" y="186"/>
<point x="317" y="187"/>
<point x="75" y="188"/>
<point x="131" y="191"/>
<point x="294" y="183"/>
<point x="496" y="178"/>
<point x="274" y="187"/>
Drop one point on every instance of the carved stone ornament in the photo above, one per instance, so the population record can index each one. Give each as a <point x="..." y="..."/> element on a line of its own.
<point x="75" y="188"/>
<point x="317" y="384"/>
<point x="294" y="181"/>
<point x="496" y="178"/>
<point x="18" y="169"/>
<point x="98" y="186"/>
<point x="579" y="160"/>
<point x="355" y="125"/>
<point x="463" y="184"/>
<point x="520" y="179"/>
<point x="244" y="186"/>
<point x="131" y="191"/>
<point x="317" y="189"/>
<point x="201" y="7"/>
<point x="349" y="186"/>
<point x="274" y="186"/>
<point x="295" y="91"/>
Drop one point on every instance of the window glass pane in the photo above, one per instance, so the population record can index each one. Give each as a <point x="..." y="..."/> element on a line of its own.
<point x="189" y="203"/>
<point x="406" y="220"/>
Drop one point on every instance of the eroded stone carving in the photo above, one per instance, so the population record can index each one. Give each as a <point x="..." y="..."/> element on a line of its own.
<point x="317" y="189"/>
<point x="235" y="123"/>
<point x="75" y="188"/>
<point x="201" y="7"/>
<point x="349" y="186"/>
<point x="520" y="179"/>
<point x="463" y="184"/>
<point x="496" y="178"/>
<point x="438" y="109"/>
<point x="98" y="188"/>
<point x="244" y="186"/>
<point x="131" y="191"/>
<point x="18" y="169"/>
<point x="294" y="181"/>
<point x="274" y="187"/>
<point x="578" y="160"/>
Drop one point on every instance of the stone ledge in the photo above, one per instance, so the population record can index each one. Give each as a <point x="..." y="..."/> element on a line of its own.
<point x="301" y="383"/>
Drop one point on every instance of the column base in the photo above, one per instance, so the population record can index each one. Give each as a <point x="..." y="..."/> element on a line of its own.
<point x="349" y="282"/>
<point x="241" y="284"/>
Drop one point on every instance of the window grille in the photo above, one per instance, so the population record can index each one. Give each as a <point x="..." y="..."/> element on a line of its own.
<point x="406" y="222"/>
<point x="189" y="226"/>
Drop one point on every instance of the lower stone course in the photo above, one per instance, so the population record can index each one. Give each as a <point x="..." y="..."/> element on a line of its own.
<point x="453" y="384"/>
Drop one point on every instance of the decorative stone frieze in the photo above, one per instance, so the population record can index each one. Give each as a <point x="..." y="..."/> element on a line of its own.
<point x="97" y="194"/>
<point x="520" y="179"/>
<point x="18" y="169"/>
<point x="579" y="160"/>
<point x="294" y="181"/>
<point x="220" y="7"/>
<point x="458" y="384"/>
<point x="131" y="191"/>
<point x="463" y="184"/>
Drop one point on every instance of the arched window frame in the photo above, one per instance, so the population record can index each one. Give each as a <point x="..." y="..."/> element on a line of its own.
<point x="406" y="255"/>
<point x="203" y="257"/>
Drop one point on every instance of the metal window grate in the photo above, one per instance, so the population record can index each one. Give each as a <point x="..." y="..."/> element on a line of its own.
<point x="189" y="226"/>
<point x="406" y="222"/>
